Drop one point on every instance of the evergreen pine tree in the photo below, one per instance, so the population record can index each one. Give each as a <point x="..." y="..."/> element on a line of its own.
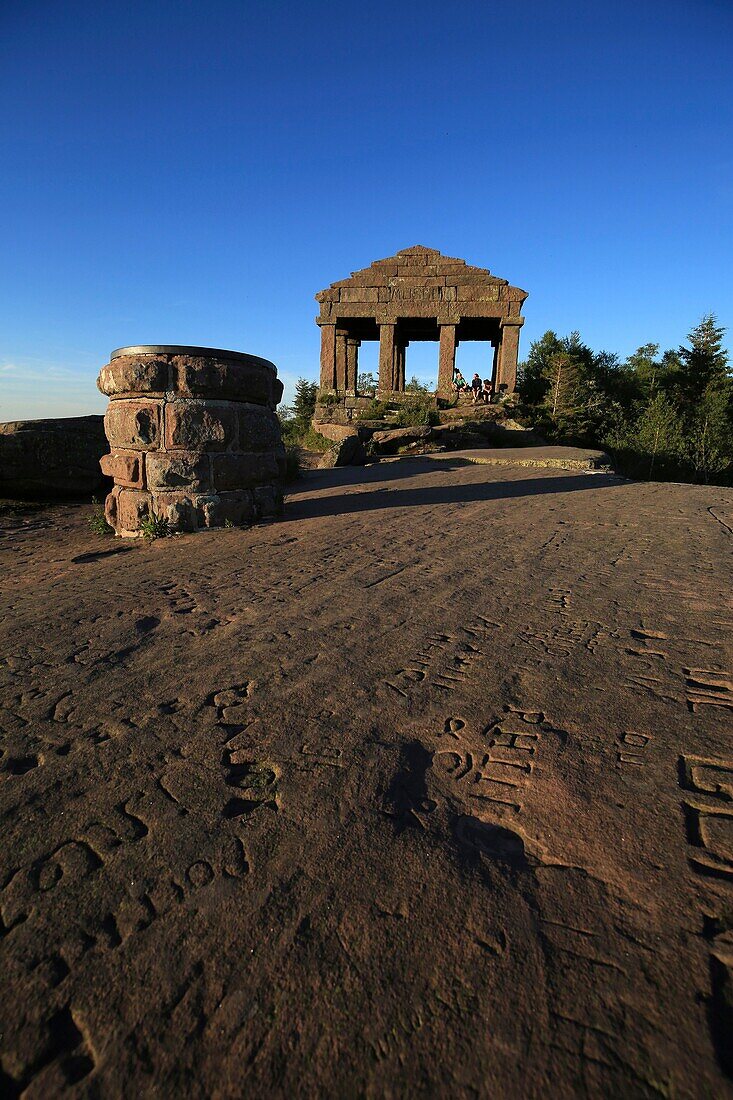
<point x="304" y="403"/>
<point x="704" y="363"/>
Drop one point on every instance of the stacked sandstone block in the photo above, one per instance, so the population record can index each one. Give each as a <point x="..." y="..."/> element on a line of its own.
<point x="194" y="438"/>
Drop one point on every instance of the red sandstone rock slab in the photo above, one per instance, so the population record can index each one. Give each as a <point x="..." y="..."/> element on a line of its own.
<point x="563" y="458"/>
<point x="53" y="457"/>
<point x="335" y="432"/>
<point x="433" y="772"/>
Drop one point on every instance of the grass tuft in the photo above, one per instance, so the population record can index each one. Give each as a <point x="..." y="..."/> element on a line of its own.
<point x="98" y="521"/>
<point x="155" y="527"/>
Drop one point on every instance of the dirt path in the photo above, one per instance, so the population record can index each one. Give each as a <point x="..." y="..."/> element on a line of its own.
<point x="425" y="790"/>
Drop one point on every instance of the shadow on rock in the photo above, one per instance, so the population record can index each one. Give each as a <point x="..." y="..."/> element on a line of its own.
<point x="408" y="792"/>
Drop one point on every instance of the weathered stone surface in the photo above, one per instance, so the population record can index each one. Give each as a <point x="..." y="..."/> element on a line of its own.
<point x="133" y="424"/>
<point x="389" y="442"/>
<point x="335" y="432"/>
<point x="539" y="458"/>
<point x="194" y="455"/>
<point x="259" y="429"/>
<point x="190" y="511"/>
<point x="238" y="471"/>
<point x="235" y="507"/>
<point x="565" y="935"/>
<point x="456" y="436"/>
<point x="347" y="452"/>
<point x="52" y="458"/>
<point x="125" y="467"/>
<point x="200" y="425"/>
<point x="134" y="375"/>
<point x="179" y="509"/>
<point x="125" y="508"/>
<point x="174" y="470"/>
<point x="221" y="378"/>
<point x="268" y="501"/>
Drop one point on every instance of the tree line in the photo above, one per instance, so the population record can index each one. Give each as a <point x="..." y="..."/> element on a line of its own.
<point x="664" y="416"/>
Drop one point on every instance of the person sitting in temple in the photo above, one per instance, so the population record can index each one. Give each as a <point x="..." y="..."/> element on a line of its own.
<point x="486" y="391"/>
<point x="475" y="387"/>
<point x="459" y="382"/>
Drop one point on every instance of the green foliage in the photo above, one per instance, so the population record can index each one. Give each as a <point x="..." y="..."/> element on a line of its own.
<point x="304" y="403"/>
<point x="327" y="397"/>
<point x="668" y="416"/>
<point x="417" y="411"/>
<point x="534" y="374"/>
<point x="295" y="420"/>
<point x="155" y="527"/>
<point x="705" y="363"/>
<point x="416" y="386"/>
<point x="564" y="375"/>
<point x="97" y="520"/>
<point x="292" y="463"/>
<point x="314" y="441"/>
<point x="652" y="443"/>
<point x="367" y="384"/>
<point x="709" y="442"/>
<point x="375" y="410"/>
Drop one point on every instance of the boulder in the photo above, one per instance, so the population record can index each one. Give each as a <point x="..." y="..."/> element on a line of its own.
<point x="458" y="436"/>
<point x="45" y="459"/>
<point x="335" y="432"/>
<point x="347" y="452"/>
<point x="392" y="441"/>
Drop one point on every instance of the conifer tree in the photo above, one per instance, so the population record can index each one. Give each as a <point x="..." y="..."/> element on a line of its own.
<point x="704" y="363"/>
<point x="304" y="403"/>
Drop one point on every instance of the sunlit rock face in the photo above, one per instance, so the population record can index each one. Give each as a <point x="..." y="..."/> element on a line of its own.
<point x="194" y="438"/>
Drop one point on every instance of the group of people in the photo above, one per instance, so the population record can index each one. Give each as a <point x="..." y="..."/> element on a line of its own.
<point x="480" y="390"/>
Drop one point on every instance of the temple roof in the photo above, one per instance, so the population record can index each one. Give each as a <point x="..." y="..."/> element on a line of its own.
<point x="420" y="263"/>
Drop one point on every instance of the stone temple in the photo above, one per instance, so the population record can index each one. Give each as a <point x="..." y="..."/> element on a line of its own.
<point x="418" y="294"/>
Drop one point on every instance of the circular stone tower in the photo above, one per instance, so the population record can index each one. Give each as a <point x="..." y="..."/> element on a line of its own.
<point x="193" y="436"/>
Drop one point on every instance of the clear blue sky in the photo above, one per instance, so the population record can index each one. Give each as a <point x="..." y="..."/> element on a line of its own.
<point x="194" y="172"/>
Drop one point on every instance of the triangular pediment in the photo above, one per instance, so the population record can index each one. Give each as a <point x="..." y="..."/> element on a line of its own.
<point x="416" y="262"/>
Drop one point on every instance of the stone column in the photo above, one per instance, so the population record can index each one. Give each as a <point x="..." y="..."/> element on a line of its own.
<point x="495" y="365"/>
<point x="399" y="367"/>
<point x="352" y="364"/>
<point x="194" y="439"/>
<point x="446" y="360"/>
<point x="341" y="358"/>
<point x="508" y="353"/>
<point x="328" y="357"/>
<point x="386" y="357"/>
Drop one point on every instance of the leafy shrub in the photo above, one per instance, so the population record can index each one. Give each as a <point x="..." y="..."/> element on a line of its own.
<point x="375" y="410"/>
<point x="314" y="441"/>
<point x="416" y="412"/>
<point x="327" y="397"/>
